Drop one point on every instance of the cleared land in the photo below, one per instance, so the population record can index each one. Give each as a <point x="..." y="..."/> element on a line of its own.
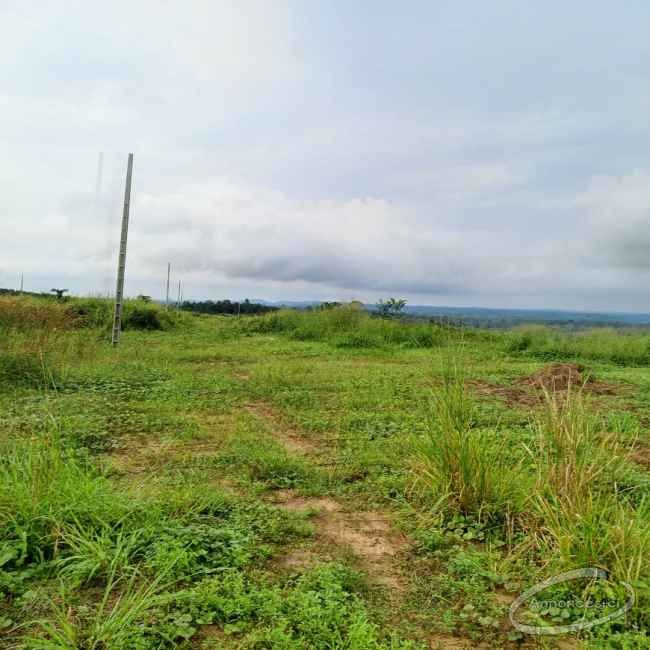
<point x="313" y="480"/>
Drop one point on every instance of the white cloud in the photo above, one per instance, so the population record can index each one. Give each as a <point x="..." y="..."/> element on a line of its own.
<point x="617" y="210"/>
<point x="308" y="149"/>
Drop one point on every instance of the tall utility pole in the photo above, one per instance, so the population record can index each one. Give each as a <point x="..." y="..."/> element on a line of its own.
<point x="121" y="263"/>
<point x="22" y="280"/>
<point x="178" y="301"/>
<point x="169" y="270"/>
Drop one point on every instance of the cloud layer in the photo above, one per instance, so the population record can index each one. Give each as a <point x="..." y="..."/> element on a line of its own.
<point x="453" y="154"/>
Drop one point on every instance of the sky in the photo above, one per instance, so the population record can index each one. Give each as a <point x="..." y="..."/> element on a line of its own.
<point x="451" y="153"/>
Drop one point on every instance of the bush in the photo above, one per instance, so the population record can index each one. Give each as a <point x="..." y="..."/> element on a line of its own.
<point x="144" y="318"/>
<point x="92" y="312"/>
<point x="136" y="314"/>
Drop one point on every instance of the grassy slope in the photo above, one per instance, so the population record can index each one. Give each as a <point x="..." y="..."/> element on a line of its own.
<point x="256" y="485"/>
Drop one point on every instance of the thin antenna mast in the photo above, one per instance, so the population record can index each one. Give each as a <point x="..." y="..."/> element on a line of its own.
<point x="121" y="263"/>
<point x="169" y="270"/>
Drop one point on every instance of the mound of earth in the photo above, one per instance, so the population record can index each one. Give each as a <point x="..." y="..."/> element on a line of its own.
<point x="557" y="377"/>
<point x="553" y="379"/>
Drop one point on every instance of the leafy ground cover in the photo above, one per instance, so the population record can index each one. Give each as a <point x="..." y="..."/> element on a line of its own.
<point x="313" y="480"/>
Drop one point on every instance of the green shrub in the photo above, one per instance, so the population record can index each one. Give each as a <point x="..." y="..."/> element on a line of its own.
<point x="142" y="318"/>
<point x="92" y="312"/>
<point x="137" y="314"/>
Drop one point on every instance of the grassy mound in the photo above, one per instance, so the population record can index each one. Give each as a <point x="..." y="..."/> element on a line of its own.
<point x="347" y="327"/>
<point x="40" y="336"/>
<point x="626" y="348"/>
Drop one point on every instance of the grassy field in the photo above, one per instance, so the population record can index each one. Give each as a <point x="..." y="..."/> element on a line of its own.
<point x="315" y="480"/>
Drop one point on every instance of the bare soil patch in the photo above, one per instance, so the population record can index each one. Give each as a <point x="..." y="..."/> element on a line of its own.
<point x="367" y="535"/>
<point x="555" y="379"/>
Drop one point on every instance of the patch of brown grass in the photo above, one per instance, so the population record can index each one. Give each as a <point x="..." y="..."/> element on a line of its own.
<point x="368" y="535"/>
<point x="556" y="379"/>
<point x="19" y="313"/>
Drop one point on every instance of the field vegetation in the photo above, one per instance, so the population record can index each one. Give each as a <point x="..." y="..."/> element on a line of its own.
<point x="314" y="479"/>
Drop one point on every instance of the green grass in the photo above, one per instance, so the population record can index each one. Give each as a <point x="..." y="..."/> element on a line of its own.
<point x="347" y="327"/>
<point x="467" y="468"/>
<point x="625" y="348"/>
<point x="138" y="484"/>
<point x="583" y="520"/>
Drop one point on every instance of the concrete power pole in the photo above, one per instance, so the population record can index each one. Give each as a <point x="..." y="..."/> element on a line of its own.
<point x="121" y="263"/>
<point x="22" y="281"/>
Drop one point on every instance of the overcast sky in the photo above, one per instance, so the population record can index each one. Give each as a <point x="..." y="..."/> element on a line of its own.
<point x="453" y="153"/>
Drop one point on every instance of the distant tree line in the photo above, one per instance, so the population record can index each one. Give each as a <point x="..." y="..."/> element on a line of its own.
<point x="226" y="307"/>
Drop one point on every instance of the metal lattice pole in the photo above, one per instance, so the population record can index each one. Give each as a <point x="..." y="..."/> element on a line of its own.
<point x="121" y="263"/>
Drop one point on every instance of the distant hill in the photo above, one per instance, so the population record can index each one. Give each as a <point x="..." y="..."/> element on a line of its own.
<point x="487" y="317"/>
<point x="500" y="318"/>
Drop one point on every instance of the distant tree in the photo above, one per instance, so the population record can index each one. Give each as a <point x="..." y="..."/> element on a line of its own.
<point x="59" y="293"/>
<point x="144" y="298"/>
<point x="227" y="307"/>
<point x="391" y="307"/>
<point x="329" y="305"/>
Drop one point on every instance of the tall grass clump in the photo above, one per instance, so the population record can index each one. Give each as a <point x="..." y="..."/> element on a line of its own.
<point x="626" y="348"/>
<point x="465" y="466"/>
<point x="39" y="338"/>
<point x="44" y="488"/>
<point x="582" y="520"/>
<point x="349" y="327"/>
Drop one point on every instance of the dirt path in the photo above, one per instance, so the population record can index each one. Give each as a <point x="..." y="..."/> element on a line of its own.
<point x="290" y="438"/>
<point x="367" y="535"/>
